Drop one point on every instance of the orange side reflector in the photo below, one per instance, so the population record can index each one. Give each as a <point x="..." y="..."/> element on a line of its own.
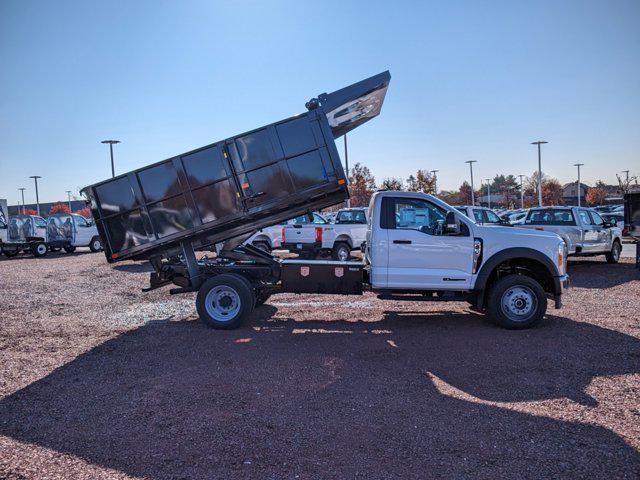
<point x="245" y="185"/>
<point x="342" y="181"/>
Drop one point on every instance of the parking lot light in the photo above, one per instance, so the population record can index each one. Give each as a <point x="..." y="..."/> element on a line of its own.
<point x="538" y="143"/>
<point x="22" y="189"/>
<point x="578" y="165"/>
<point x="471" y="162"/>
<point x="111" y="143"/>
<point x="35" y="179"/>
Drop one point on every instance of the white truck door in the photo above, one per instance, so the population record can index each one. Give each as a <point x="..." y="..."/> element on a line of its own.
<point x="83" y="231"/>
<point x="590" y="233"/>
<point x="420" y="256"/>
<point x="604" y="234"/>
<point x="40" y="227"/>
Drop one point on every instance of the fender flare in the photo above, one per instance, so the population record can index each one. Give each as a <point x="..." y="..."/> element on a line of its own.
<point x="344" y="238"/>
<point x="263" y="238"/>
<point x="513" y="253"/>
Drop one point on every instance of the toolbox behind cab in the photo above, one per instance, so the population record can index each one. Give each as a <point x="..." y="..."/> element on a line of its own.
<point x="238" y="185"/>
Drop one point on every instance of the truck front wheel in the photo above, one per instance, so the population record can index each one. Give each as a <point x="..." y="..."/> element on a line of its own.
<point x="614" y="255"/>
<point x="516" y="302"/>
<point x="39" y="249"/>
<point x="95" y="245"/>
<point x="224" y="301"/>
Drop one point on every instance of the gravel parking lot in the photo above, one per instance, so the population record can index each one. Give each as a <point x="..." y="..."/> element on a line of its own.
<point x="100" y="380"/>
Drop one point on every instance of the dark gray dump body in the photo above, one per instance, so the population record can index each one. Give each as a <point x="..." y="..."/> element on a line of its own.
<point x="235" y="186"/>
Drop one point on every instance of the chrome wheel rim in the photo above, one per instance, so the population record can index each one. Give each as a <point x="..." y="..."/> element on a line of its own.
<point x="222" y="303"/>
<point x="519" y="303"/>
<point x="616" y="251"/>
<point x="343" y="255"/>
<point x="41" y="249"/>
<point x="97" y="245"/>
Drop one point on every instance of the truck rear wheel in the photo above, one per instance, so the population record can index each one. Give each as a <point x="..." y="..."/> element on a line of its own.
<point x="95" y="245"/>
<point x="341" y="251"/>
<point x="264" y="246"/>
<point x="614" y="255"/>
<point x="224" y="301"/>
<point x="10" y="253"/>
<point x="516" y="302"/>
<point x="39" y="249"/>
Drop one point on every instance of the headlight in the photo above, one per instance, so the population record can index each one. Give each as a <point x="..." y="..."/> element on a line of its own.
<point x="562" y="257"/>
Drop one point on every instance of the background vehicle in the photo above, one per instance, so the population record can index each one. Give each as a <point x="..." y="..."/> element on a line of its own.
<point x="69" y="231"/>
<point x="25" y="233"/>
<point x="338" y="239"/>
<point x="617" y="219"/>
<point x="583" y="229"/>
<point x="481" y="215"/>
<point x="271" y="238"/>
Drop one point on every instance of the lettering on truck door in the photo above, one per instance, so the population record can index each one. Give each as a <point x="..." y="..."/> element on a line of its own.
<point x="420" y="255"/>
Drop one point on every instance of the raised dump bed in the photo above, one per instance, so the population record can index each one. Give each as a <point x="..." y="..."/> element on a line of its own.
<point x="236" y="186"/>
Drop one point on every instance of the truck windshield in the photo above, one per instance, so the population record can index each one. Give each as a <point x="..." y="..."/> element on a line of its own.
<point x="351" y="216"/>
<point x="550" y="217"/>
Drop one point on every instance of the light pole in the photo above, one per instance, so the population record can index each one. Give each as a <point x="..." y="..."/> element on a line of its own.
<point x="69" y="199"/>
<point x="521" y="191"/>
<point x="578" y="165"/>
<point x="627" y="172"/>
<point x="35" y="179"/>
<point x="111" y="143"/>
<point x="489" y="190"/>
<point x="471" y="162"/>
<point x="22" y="189"/>
<point x="435" y="181"/>
<point x="538" y="143"/>
<point x="346" y="165"/>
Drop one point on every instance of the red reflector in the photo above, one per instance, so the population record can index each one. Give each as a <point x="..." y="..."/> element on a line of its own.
<point x="282" y="234"/>
<point x="245" y="185"/>
<point x="318" y="234"/>
<point x="342" y="181"/>
<point x="115" y="255"/>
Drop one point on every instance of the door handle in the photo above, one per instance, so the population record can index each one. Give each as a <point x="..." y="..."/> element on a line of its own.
<point x="403" y="242"/>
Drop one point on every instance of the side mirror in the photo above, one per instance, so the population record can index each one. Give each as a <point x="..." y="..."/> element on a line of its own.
<point x="451" y="224"/>
<point x="610" y="224"/>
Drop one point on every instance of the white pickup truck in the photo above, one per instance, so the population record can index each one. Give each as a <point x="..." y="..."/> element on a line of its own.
<point x="583" y="230"/>
<point x="417" y="248"/>
<point x="338" y="239"/>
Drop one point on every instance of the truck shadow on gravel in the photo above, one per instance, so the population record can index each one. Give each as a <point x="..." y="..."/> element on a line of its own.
<point x="331" y="399"/>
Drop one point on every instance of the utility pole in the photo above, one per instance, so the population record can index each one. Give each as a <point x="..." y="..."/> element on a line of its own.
<point x="521" y="191"/>
<point x="579" y="188"/>
<point x="35" y="179"/>
<point x="538" y="143"/>
<point x="111" y="144"/>
<point x="22" y="189"/>
<point x="346" y="165"/>
<point x="435" y="181"/>
<point x="471" y="162"/>
<point x="69" y="199"/>
<point x="489" y="190"/>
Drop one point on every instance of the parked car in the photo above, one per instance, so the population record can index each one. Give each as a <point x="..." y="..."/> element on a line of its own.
<point x="338" y="239"/>
<point x="481" y="215"/>
<point x="583" y="229"/>
<point x="271" y="238"/>
<point x="69" y="231"/>
<point x="617" y="218"/>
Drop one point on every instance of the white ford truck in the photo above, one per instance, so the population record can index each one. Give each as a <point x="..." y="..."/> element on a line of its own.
<point x="337" y="239"/>
<point x="583" y="229"/>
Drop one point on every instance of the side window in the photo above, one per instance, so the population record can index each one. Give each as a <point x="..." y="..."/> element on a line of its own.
<point x="597" y="219"/>
<point x="80" y="221"/>
<point x="477" y="216"/>
<point x="317" y="219"/>
<point x="492" y="217"/>
<point x="301" y="220"/>
<point x="40" y="223"/>
<point x="416" y="214"/>
<point x="584" y="217"/>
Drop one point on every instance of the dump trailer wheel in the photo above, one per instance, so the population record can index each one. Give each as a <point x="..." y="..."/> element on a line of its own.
<point x="39" y="249"/>
<point x="224" y="301"/>
<point x="614" y="255"/>
<point x="341" y="251"/>
<point x="262" y="245"/>
<point x="516" y="302"/>
<point x="69" y="249"/>
<point x="96" y="244"/>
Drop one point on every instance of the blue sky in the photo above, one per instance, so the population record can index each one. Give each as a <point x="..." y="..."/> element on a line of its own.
<point x="470" y="80"/>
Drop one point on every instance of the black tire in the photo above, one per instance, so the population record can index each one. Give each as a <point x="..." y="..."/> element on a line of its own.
<point x="341" y="251"/>
<point x="69" y="249"/>
<point x="39" y="249"/>
<point x="224" y="301"/>
<point x="516" y="302"/>
<point x="262" y="245"/>
<point x="614" y="255"/>
<point x="95" y="245"/>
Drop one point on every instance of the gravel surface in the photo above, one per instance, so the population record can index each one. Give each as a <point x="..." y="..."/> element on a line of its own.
<point x="100" y="380"/>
